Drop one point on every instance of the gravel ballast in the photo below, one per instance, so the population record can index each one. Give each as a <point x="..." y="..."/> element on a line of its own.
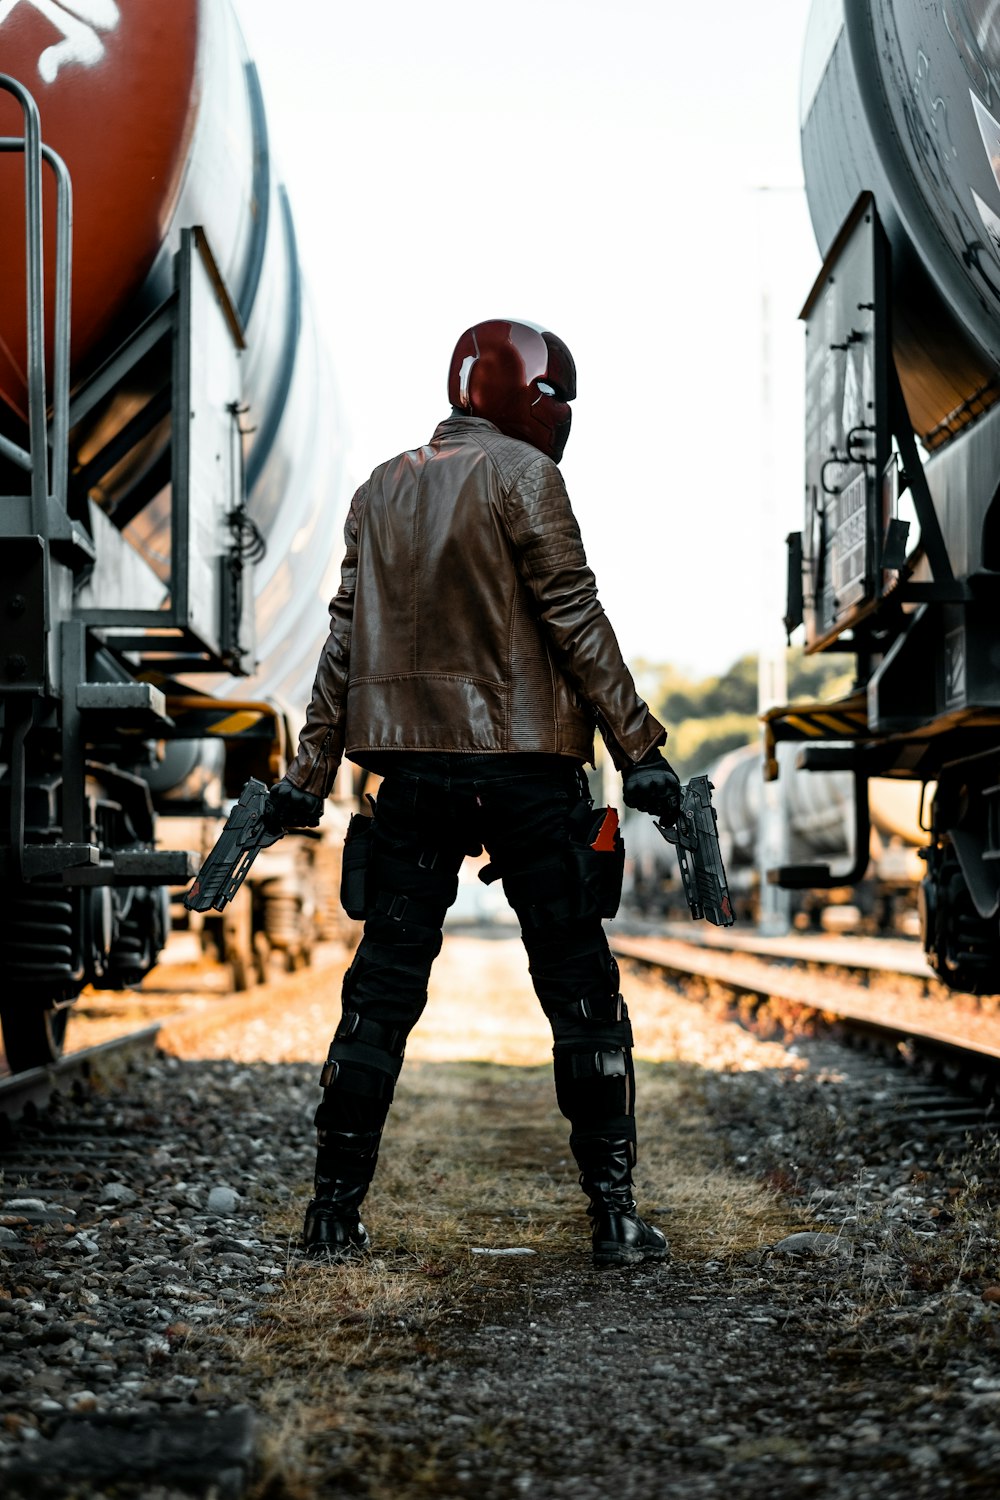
<point x="829" y="1323"/>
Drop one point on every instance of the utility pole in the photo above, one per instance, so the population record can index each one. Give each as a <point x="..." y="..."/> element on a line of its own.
<point x="774" y="904"/>
<point x="774" y="907"/>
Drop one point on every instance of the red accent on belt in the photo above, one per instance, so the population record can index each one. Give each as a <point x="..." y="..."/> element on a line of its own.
<point x="605" y="840"/>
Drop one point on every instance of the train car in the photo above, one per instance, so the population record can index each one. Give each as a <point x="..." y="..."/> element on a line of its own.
<point x="817" y="813"/>
<point x="170" y="480"/>
<point x="898" y="561"/>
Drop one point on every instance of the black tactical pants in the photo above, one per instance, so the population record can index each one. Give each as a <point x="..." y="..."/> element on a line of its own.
<point x="528" y="813"/>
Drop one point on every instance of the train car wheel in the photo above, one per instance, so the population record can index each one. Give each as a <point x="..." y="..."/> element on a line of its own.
<point x="241" y="970"/>
<point x="261" y="956"/>
<point x="33" y="1032"/>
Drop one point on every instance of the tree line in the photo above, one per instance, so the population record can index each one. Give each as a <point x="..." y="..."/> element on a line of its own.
<point x="709" y="716"/>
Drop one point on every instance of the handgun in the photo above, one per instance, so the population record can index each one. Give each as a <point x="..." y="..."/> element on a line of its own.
<point x="696" y="839"/>
<point x="251" y="826"/>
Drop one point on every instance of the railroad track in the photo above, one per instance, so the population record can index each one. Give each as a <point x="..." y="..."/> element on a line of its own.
<point x="80" y="1068"/>
<point x="866" y="997"/>
<point x="36" y="1086"/>
<point x="148" y="1237"/>
<point x="183" y="1003"/>
<point x="193" y="1017"/>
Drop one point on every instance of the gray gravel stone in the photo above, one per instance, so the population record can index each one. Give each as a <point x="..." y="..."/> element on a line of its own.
<point x="118" y="1193"/>
<point x="810" y="1242"/>
<point x="223" y="1201"/>
<point x="193" y="1451"/>
<point x="82" y="1244"/>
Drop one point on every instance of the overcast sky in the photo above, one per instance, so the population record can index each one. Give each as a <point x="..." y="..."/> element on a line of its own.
<point x="598" y="169"/>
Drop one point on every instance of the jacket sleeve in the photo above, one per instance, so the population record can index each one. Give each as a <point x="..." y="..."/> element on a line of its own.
<point x="321" y="742"/>
<point x="549" y="556"/>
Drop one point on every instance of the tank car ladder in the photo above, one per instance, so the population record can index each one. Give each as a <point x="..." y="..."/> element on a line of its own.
<point x="39" y="535"/>
<point x="32" y="531"/>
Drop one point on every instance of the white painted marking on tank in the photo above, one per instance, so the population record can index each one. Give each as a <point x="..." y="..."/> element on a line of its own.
<point x="991" y="221"/>
<point x="79" y="22"/>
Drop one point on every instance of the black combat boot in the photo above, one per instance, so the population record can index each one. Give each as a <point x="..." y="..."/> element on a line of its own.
<point x="620" y="1237"/>
<point x="345" y="1164"/>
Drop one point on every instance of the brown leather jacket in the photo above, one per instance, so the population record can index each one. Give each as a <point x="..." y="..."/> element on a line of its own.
<point x="467" y="618"/>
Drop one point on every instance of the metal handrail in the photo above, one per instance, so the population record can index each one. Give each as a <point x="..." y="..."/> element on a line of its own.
<point x="17" y="455"/>
<point x="61" y="350"/>
<point x="35" y="461"/>
<point x="32" y="147"/>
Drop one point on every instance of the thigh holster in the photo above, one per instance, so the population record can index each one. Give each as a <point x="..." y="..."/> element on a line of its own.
<point x="413" y="885"/>
<point x="597" y="858"/>
<point x="580" y="883"/>
<point x="354" y="866"/>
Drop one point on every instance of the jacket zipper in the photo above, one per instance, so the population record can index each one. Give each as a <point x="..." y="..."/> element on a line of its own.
<point x="322" y="751"/>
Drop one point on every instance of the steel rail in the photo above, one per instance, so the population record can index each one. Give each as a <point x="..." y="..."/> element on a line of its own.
<point x="851" y="954"/>
<point x="172" y="1032"/>
<point x="760" y="977"/>
<point x="35" y="1086"/>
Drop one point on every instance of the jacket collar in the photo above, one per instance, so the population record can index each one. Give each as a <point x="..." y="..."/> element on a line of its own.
<point x="462" y="422"/>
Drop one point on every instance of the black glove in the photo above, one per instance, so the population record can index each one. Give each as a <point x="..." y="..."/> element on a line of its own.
<point x="653" y="786"/>
<point x="293" y="808"/>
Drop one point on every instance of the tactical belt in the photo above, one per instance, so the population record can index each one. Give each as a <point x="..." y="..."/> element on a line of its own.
<point x="400" y="908"/>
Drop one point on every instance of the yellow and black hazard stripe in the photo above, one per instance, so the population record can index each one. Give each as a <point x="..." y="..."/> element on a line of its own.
<point x="198" y="716"/>
<point x="816" y="724"/>
<point x="256" y="735"/>
<point x="846" y="719"/>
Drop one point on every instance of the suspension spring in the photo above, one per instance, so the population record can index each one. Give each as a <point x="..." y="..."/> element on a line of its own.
<point x="282" y="919"/>
<point x="37" y="943"/>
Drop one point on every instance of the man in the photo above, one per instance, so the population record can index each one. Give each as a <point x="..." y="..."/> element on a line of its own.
<point x="468" y="662"/>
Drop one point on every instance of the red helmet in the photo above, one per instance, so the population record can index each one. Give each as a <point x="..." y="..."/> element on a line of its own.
<point x="520" y="378"/>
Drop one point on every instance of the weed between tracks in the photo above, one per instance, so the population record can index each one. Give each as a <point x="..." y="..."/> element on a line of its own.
<point x="929" y="1278"/>
<point x="474" y="1157"/>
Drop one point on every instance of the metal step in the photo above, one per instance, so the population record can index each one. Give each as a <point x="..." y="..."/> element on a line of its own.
<point x="137" y="705"/>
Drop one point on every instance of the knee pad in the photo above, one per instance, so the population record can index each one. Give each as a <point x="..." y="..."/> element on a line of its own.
<point x="592" y="1064"/>
<point x="364" y="1062"/>
<point x="588" y="1018"/>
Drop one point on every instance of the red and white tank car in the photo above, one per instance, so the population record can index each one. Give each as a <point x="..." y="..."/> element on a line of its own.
<point x="170" y="475"/>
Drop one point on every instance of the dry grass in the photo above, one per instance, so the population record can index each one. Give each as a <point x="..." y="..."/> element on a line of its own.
<point x="475" y="1155"/>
